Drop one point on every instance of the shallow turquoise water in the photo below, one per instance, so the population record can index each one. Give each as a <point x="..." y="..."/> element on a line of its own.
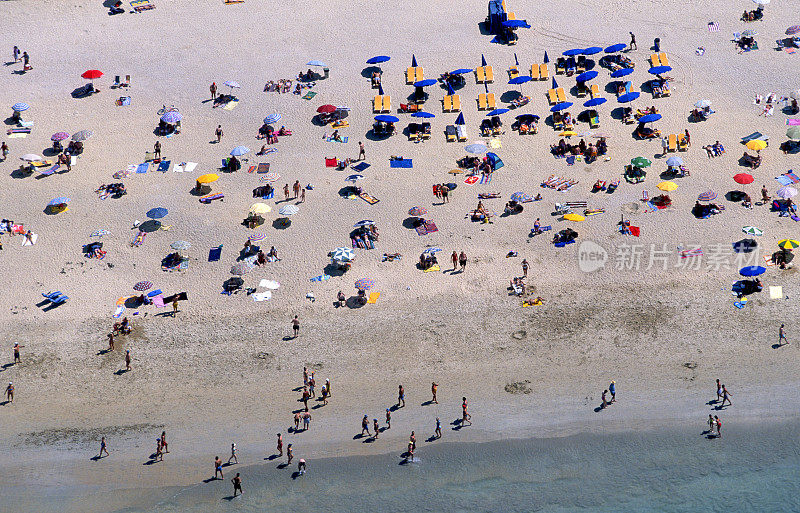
<point x="750" y="469"/>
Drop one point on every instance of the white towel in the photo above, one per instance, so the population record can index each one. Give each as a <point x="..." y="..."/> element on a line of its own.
<point x="178" y="168"/>
<point x="262" y="296"/>
<point x="189" y="167"/>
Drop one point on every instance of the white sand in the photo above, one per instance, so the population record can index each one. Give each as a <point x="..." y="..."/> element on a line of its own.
<point x="222" y="370"/>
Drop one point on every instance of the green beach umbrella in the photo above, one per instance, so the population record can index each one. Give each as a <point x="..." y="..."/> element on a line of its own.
<point x="640" y="162"/>
<point x="752" y="230"/>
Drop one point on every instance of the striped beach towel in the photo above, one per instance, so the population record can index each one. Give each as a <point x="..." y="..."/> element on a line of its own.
<point x="688" y="253"/>
<point x="713" y="26"/>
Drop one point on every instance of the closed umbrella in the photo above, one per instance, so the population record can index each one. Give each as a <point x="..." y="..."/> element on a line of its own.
<point x="343" y="254"/>
<point x="640" y="162"/>
<point x="365" y="284"/>
<point x="20" y="107"/>
<point x="788" y="243"/>
<point x="793" y="133"/>
<point x="786" y="192"/>
<point x="615" y="48"/>
<point x="560" y="106"/>
<point x="208" y="178"/>
<point x="752" y="230"/>
<point x="143" y="285"/>
<point x="240" y="150"/>
<point x="257" y="237"/>
<point x="417" y="211"/>
<point x="674" y="161"/>
<point x="667" y="186"/>
<point x="708" y="196"/>
<point x="460" y="119"/>
<point x="483" y="60"/>
<point x="241" y="268"/>
<point x="628" y="97"/>
<point x="30" y="157"/>
<point x="752" y="270"/>
<point x="59" y="136"/>
<point x="288" y="210"/>
<point x="82" y="135"/>
<point x="476" y="148"/>
<point x="157" y="213"/>
<point x="272" y="118"/>
<point x="326" y="109"/>
<point x="756" y="145"/>
<point x="574" y="217"/>
<point x="413" y="61"/>
<point x="260" y="208"/>
<point x="171" y="117"/>
<point x="180" y="245"/>
<point x="743" y="178"/>
<point x="546" y="58"/>
<point x="658" y="70"/>
<point x="594" y="102"/>
<point x="621" y="72"/>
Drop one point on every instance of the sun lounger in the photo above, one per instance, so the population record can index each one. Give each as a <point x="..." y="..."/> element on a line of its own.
<point x="211" y="197"/>
<point x="387" y="103"/>
<point x="461" y="133"/>
<point x="534" y="71"/>
<point x="456" y="103"/>
<point x="544" y="73"/>
<point x="561" y="96"/>
<point x="447" y="103"/>
<point x="491" y="101"/>
<point x="489" y="74"/>
<point x="411" y="74"/>
<point x="594" y="120"/>
<point x="682" y="144"/>
<point x="450" y="133"/>
<point x="663" y="58"/>
<point x="595" y="90"/>
<point x="513" y="72"/>
<point x="482" y="103"/>
<point x="561" y="66"/>
<point x="377" y="103"/>
<point x="480" y="75"/>
<point x="52" y="295"/>
<point x="552" y="96"/>
<point x="672" y="142"/>
<point x="654" y="61"/>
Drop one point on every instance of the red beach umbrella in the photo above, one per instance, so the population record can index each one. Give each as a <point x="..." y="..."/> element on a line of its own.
<point x="326" y="109"/>
<point x="743" y="178"/>
<point x="92" y="74"/>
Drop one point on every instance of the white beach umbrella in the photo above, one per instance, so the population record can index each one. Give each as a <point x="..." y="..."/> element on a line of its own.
<point x="786" y="192"/>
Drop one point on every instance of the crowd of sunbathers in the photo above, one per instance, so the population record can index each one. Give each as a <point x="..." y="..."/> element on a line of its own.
<point x="589" y="151"/>
<point x="115" y="190"/>
<point x="752" y="160"/>
<point x="703" y="211"/>
<point x="755" y="14"/>
<point x="283" y="85"/>
<point x="477" y="165"/>
<point x="270" y="134"/>
<point x="427" y="260"/>
<point x="714" y="150"/>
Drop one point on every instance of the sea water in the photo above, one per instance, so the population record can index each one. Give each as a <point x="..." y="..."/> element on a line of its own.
<point x="753" y="468"/>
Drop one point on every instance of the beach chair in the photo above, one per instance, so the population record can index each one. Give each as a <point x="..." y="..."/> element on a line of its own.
<point x="482" y="103"/>
<point x="420" y="74"/>
<point x="672" y="142"/>
<point x="117" y="82"/>
<point x="663" y="58"/>
<point x="561" y="66"/>
<point x="581" y="90"/>
<point x="535" y="72"/>
<point x="491" y="101"/>
<point x="560" y="94"/>
<point x="411" y="75"/>
<point x="544" y="73"/>
<point x="387" y="103"/>
<point x="461" y="133"/>
<point x="127" y="82"/>
<point x="377" y="104"/>
<point x="552" y="96"/>
<point x="581" y="63"/>
<point x="513" y="72"/>
<point x="654" y="61"/>
<point x="594" y="120"/>
<point x="489" y="74"/>
<point x="595" y="90"/>
<point x="480" y="75"/>
<point x="456" y="103"/>
<point x="450" y="133"/>
<point x="447" y="103"/>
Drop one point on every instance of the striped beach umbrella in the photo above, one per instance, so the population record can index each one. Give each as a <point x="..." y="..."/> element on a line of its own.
<point x="786" y="192"/>
<point x="752" y="230"/>
<point x="788" y="243"/>
<point x="417" y="211"/>
<point x="343" y="254"/>
<point x="288" y="210"/>
<point x="143" y="285"/>
<point x="257" y="237"/>
<point x="520" y="197"/>
<point x="709" y="196"/>
<point x="272" y="118"/>
<point x="20" y="107"/>
<point x="59" y="136"/>
<point x="794" y="29"/>
<point x="270" y="177"/>
<point x="365" y="284"/>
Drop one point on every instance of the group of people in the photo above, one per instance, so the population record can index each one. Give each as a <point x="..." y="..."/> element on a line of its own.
<point x="714" y="150"/>
<point x="269" y="133"/>
<point x="442" y="192"/>
<point x="589" y="151"/>
<point x="283" y="85"/>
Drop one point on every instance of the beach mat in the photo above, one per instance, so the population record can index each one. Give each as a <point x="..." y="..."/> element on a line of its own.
<point x="431" y="227"/>
<point x="369" y="199"/>
<point x="252" y="169"/>
<point x="331" y="162"/>
<point x="17" y="136"/>
<point x="142" y="168"/>
<point x="775" y="292"/>
<point x="360" y="166"/>
<point x="793" y="122"/>
<point x="263" y="168"/>
<point x="231" y="105"/>
<point x="309" y="95"/>
<point x="472" y="180"/>
<point x="189" y="167"/>
<point x="433" y="269"/>
<point x="373" y="298"/>
<point x="214" y="254"/>
<point x="401" y="163"/>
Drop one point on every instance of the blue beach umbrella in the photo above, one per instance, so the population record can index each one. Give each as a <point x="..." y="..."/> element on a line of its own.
<point x="239" y="151"/>
<point x="497" y="112"/>
<point x="516" y="61"/>
<point x="520" y="80"/>
<point x="546" y="58"/>
<point x="594" y="102"/>
<point x="450" y="90"/>
<point x="560" y="106"/>
<point x="422" y="115"/>
<point x="272" y="118"/>
<point x="316" y="63"/>
<point x="752" y="270"/>
<point x="573" y="52"/>
<point x="378" y="59"/>
<point x="20" y="107"/>
<point x="413" y="61"/>
<point x="554" y="84"/>
<point x="171" y="117"/>
<point x="386" y="118"/>
<point x="586" y="76"/>
<point x="425" y="83"/>
<point x="628" y="97"/>
<point x="649" y="118"/>
<point x="592" y="50"/>
<point x="460" y="119"/>
<point x="157" y="213"/>
<point x="615" y="48"/>
<point x="365" y="222"/>
<point x="461" y="71"/>
<point x="476" y="148"/>
<point x="58" y="201"/>
<point x="674" y="161"/>
<point x="621" y="72"/>
<point x="659" y="70"/>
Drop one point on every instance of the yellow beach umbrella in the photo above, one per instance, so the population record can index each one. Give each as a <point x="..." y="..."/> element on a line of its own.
<point x="574" y="217"/>
<point x="260" y="208"/>
<point x="756" y="145"/>
<point x="788" y="244"/>
<point x="667" y="186"/>
<point x="568" y="133"/>
<point x="455" y="171"/>
<point x="209" y="178"/>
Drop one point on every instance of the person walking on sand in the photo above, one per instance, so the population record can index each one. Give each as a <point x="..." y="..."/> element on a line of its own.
<point x="219" y="133"/>
<point x="719" y="391"/>
<point x="462" y="260"/>
<point x="375" y="428"/>
<point x="764" y="193"/>
<point x="213" y="89"/>
<point x="297" y="422"/>
<point x="434" y="387"/>
<point x="612" y="389"/>
<point x="454" y="258"/>
<point x="726" y="396"/>
<point x="159" y="450"/>
<point x="103" y="448"/>
<point x="164" y="444"/>
<point x="296" y="326"/>
<point x="362" y="155"/>
<point x="633" y="42"/>
<point x="4" y="150"/>
<point x="301" y="466"/>
<point x="328" y="386"/>
<point x="782" y="336"/>
<point x="237" y="485"/>
<point x="687" y="137"/>
<point x="111" y="341"/>
<point x="412" y="440"/>
<point x="25" y="60"/>
<point x="15" y="53"/>
<point x="175" y="307"/>
<point x="233" y="454"/>
<point x="10" y="392"/>
<point x="289" y="454"/>
<point x="719" y="426"/>
<point x="401" y="396"/>
<point x="286" y="191"/>
<point x="365" y="425"/>
<point x="17" y="347"/>
<point x="127" y="359"/>
<point x="388" y="418"/>
<point x="303" y="195"/>
<point x="524" y="268"/>
<point x="663" y="146"/>
<point x="438" y="431"/>
<point x="218" y="468"/>
<point x="280" y="445"/>
<point x="324" y="395"/>
<point x="306" y="421"/>
<point x="465" y="417"/>
<point x="306" y="397"/>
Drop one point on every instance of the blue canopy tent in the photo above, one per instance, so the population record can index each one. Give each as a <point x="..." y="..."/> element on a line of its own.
<point x="621" y="72"/>
<point x="494" y="160"/>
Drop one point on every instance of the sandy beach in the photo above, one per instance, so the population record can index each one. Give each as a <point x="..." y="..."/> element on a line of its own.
<point x="225" y="369"/>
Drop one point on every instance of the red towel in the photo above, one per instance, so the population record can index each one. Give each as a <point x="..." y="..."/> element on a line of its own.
<point x="331" y="162"/>
<point x="634" y="230"/>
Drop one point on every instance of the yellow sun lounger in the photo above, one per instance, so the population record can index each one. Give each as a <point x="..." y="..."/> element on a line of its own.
<point x="411" y="75"/>
<point x="377" y="103"/>
<point x="663" y="58"/>
<point x="489" y="74"/>
<point x="483" y="104"/>
<point x="595" y="90"/>
<point x="534" y="72"/>
<point x="560" y="93"/>
<point x="456" y="103"/>
<point x="387" y="103"/>
<point x="654" y="62"/>
<point x="513" y="72"/>
<point x="672" y="142"/>
<point x="544" y="73"/>
<point x="480" y="75"/>
<point x="490" y="101"/>
<point x="552" y="95"/>
<point x="447" y="103"/>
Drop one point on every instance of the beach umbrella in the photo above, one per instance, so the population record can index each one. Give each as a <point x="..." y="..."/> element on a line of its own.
<point x="752" y="270"/>
<point x="149" y="226"/>
<point x="157" y="213"/>
<point x="460" y="119"/>
<point x="560" y="106"/>
<point x="793" y="133"/>
<point x="260" y="208"/>
<point x="20" y="107"/>
<point x="421" y="114"/>
<point x="516" y="24"/>
<point x="316" y="63"/>
<point x="568" y="133"/>
<point x="761" y="2"/>
<point x="756" y="145"/>
<point x="621" y="72"/>
<point x="424" y="83"/>
<point x="628" y="97"/>
<point x="270" y="177"/>
<point x="272" y="118"/>
<point x="240" y="150"/>
<point x="743" y="178"/>
<point x="365" y="284"/>
<point x="640" y="162"/>
<point x="520" y="197"/>
<point x="528" y="117"/>
<point x="455" y="171"/>
<point x="417" y="211"/>
<point x="573" y="52"/>
<point x="354" y="178"/>
<point x="380" y="92"/>
<point x="241" y="268"/>
<point x="658" y="70"/>
<point x="591" y="50"/>
<point x="483" y="60"/>
<point x="143" y="285"/>
<point x="520" y="80"/>
<point x="82" y="135"/>
<point x="59" y="136"/>
<point x="386" y="118"/>
<point x="326" y="109"/>
<point x="208" y="178"/>
<point x="378" y="59"/>
<point x="461" y="71"/>
<point x="586" y="76"/>
<point x="788" y="243"/>
<point x="497" y="112"/>
<point x="752" y="230"/>
<point x="92" y="74"/>
<point x="786" y="192"/>
<point x="615" y="48"/>
<point x="674" y="161"/>
<point x="180" y="245"/>
<point x="476" y="148"/>
<point x="594" y="102"/>
<point x="649" y="118"/>
<point x="288" y="210"/>
<point x="749" y="33"/>
<point x="794" y="29"/>
<point x="233" y="85"/>
<point x="257" y="237"/>
<point x="30" y="157"/>
<point x="364" y="222"/>
<point x="343" y="254"/>
<point x="708" y="196"/>
<point x="702" y="104"/>
<point x="58" y="201"/>
<point x="667" y="186"/>
<point x="574" y="217"/>
<point x="553" y="84"/>
<point x="171" y="117"/>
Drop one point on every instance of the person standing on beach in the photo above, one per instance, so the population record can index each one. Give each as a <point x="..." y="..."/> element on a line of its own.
<point x="103" y="448"/>
<point x="219" y="133"/>
<point x="604" y="403"/>
<point x="719" y="426"/>
<point x="10" y="392"/>
<point x="237" y="485"/>
<point x="218" y="468"/>
<point x="633" y="43"/>
<point x="438" y="431"/>
<point x="362" y="155"/>
<point x="719" y="391"/>
<point x="157" y="150"/>
<point x="213" y="89"/>
<point x="233" y="454"/>
<point x="524" y="268"/>
<point x="663" y="146"/>
<point x="388" y="418"/>
<point x="175" y="307"/>
<point x="328" y="386"/>
<point x="111" y="341"/>
<point x="289" y="454"/>
<point x="401" y="396"/>
<point x="726" y="396"/>
<point x="434" y="387"/>
<point x="324" y="395"/>
<point x="127" y="359"/>
<point x="4" y="150"/>
<point x="612" y="389"/>
<point x="454" y="258"/>
<point x="297" y="422"/>
<point x="365" y="425"/>
<point x="687" y="137"/>
<point x="301" y="466"/>
<point x="280" y="445"/>
<point x="782" y="336"/>
<point x="375" y="428"/>
<point x="465" y="417"/>
<point x="164" y="444"/>
<point x="25" y="60"/>
<point x="303" y="195"/>
<point x="286" y="191"/>
<point x="15" y="53"/>
<point x="306" y="421"/>
<point x="296" y="188"/>
<point x="462" y="259"/>
<point x="711" y="424"/>
<point x="306" y="396"/>
<point x="295" y="321"/>
<point x="17" y="347"/>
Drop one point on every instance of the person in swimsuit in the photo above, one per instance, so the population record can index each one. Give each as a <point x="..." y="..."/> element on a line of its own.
<point x="401" y="396"/>
<point x="306" y="396"/>
<point x="280" y="445"/>
<point x="328" y="386"/>
<point x="726" y="396"/>
<point x="438" y="430"/>
<point x="127" y="359"/>
<point x="306" y="421"/>
<point x="159" y="452"/>
<point x="365" y="425"/>
<point x="103" y="448"/>
<point x="296" y="325"/>
<point x="296" y="421"/>
<point x="218" y="468"/>
<point x="782" y="336"/>
<point x="465" y="417"/>
<point x="17" y="347"/>
<point x="719" y="426"/>
<point x="434" y="386"/>
<point x="410" y="452"/>
<point x="719" y="391"/>
<point x="454" y="259"/>
<point x="375" y="428"/>
<point x="111" y="341"/>
<point x="233" y="454"/>
<point x="612" y="389"/>
<point x="301" y="466"/>
<point x="164" y="444"/>
<point x="289" y="454"/>
<point x="605" y="402"/>
<point x="10" y="392"/>
<point x="388" y="418"/>
<point x="711" y="424"/>
<point x="237" y="485"/>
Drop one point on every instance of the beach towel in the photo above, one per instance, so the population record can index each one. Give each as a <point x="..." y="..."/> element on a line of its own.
<point x="178" y="168"/>
<point x="188" y="167"/>
<point x="570" y="160"/>
<point x="688" y="253"/>
<point x="142" y="5"/>
<point x="472" y="180"/>
<point x="361" y="166"/>
<point x="369" y="199"/>
<point x="421" y="230"/>
<point x="341" y="140"/>
<point x="430" y="226"/>
<point x="562" y="244"/>
<point x="400" y="163"/>
<point x="331" y="162"/>
<point x="790" y="51"/>
<point x="231" y="105"/>
<point x="713" y="26"/>
<point x="163" y="167"/>
<point x="373" y="298"/>
<point x="17" y="136"/>
<point x="793" y="122"/>
<point x="215" y="253"/>
<point x="158" y="301"/>
<point x="784" y="180"/>
<point x="26" y="242"/>
<point x="322" y="277"/>
<point x="252" y="169"/>
<point x="138" y="239"/>
<point x="432" y="269"/>
<point x="263" y="168"/>
<point x="775" y="292"/>
<point x="123" y="101"/>
<point x="49" y="171"/>
<point x="233" y="2"/>
<point x="211" y="197"/>
<point x="118" y="312"/>
<point x="309" y="95"/>
<point x="486" y="179"/>
<point x="142" y="168"/>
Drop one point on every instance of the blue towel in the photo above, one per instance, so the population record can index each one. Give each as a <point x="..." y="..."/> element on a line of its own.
<point x="400" y="163"/>
<point x="164" y="166"/>
<point x="214" y="254"/>
<point x="142" y="168"/>
<point x="562" y="244"/>
<point x="270" y="195"/>
<point x="570" y="160"/>
<point x="154" y="293"/>
<point x="784" y="180"/>
<point x="360" y="166"/>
